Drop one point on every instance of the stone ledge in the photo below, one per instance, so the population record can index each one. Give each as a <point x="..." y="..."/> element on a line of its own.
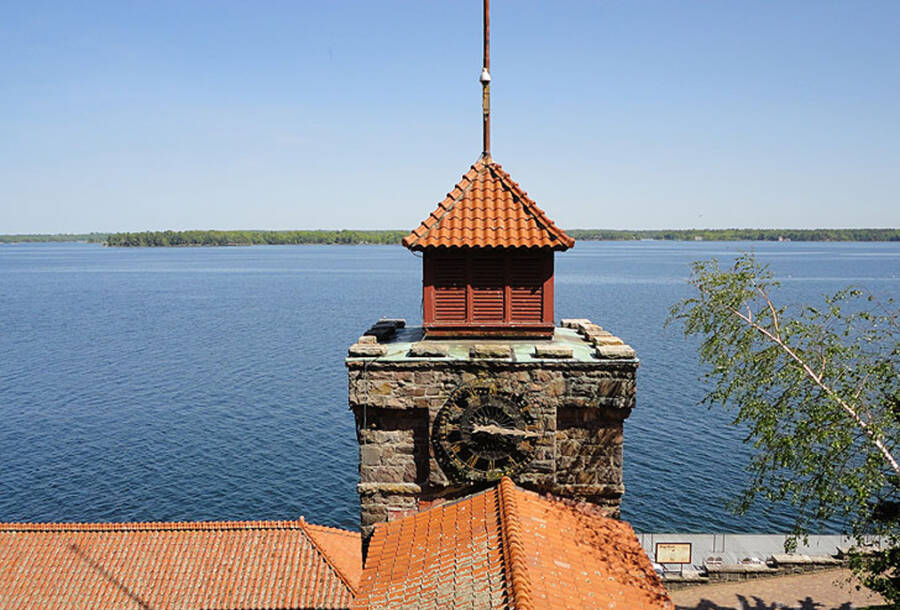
<point x="573" y="322"/>
<point x="587" y="328"/>
<point x="579" y="335"/>
<point x="553" y="351"/>
<point x="489" y="350"/>
<point x="424" y="349"/>
<point x="597" y="333"/>
<point x="487" y="364"/>
<point x="785" y="559"/>
<point x="366" y="350"/>
<point x="614" y="352"/>
<point x="368" y="489"/>
<point x="607" y="339"/>
<point x="742" y="568"/>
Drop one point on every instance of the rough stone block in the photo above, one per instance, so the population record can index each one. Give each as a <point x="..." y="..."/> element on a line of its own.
<point x="542" y="465"/>
<point x="589" y="327"/>
<point x="594" y="491"/>
<point x="785" y="559"/>
<point x="425" y="349"/>
<point x="490" y="350"/>
<point x="366" y="350"/>
<point x="615" y="352"/>
<point x="573" y="322"/>
<point x="366" y="339"/>
<point x="367" y="489"/>
<point x="597" y="333"/>
<point x="610" y="340"/>
<point x="370" y="455"/>
<point x="552" y="351"/>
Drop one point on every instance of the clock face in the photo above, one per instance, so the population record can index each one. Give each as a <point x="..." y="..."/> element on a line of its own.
<point x="481" y="434"/>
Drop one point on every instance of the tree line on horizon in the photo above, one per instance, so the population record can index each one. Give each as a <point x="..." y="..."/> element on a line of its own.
<point x="251" y="238"/>
<point x="739" y="234"/>
<point x="386" y="237"/>
<point x="93" y="238"/>
<point x="390" y="237"/>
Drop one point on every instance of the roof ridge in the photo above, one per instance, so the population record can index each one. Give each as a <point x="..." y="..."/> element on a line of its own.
<point x="514" y="548"/>
<point x="327" y="557"/>
<point x="540" y="217"/>
<point x="518" y="194"/>
<point x="126" y="526"/>
<point x="477" y="167"/>
<point x="333" y="530"/>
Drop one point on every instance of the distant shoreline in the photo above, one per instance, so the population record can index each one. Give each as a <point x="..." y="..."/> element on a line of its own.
<point x="170" y="239"/>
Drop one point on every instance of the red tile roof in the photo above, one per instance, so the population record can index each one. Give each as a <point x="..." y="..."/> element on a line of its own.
<point x="509" y="548"/>
<point x="248" y="564"/>
<point x="488" y="209"/>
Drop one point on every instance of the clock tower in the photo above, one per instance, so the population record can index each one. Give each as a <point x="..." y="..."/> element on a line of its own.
<point x="489" y="385"/>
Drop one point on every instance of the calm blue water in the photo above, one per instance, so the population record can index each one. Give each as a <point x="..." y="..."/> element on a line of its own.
<point x="185" y="384"/>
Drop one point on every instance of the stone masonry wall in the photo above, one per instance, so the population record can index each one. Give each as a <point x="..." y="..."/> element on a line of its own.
<point x="580" y="407"/>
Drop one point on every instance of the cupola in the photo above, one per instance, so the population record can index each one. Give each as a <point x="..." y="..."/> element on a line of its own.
<point x="487" y="250"/>
<point x="487" y="253"/>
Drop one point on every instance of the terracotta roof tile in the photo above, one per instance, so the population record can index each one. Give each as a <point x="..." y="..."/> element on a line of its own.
<point x="509" y="548"/>
<point x="342" y="549"/>
<point x="577" y="558"/>
<point x="244" y="564"/>
<point x="487" y="209"/>
<point x="445" y="557"/>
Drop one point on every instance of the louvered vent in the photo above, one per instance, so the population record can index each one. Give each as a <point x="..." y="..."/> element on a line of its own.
<point x="450" y="290"/>
<point x="488" y="292"/>
<point x="487" y="275"/>
<point x="527" y="290"/>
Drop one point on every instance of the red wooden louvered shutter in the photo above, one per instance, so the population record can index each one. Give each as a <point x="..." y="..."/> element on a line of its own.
<point x="526" y="283"/>
<point x="449" y="285"/>
<point x="478" y="292"/>
<point x="486" y="277"/>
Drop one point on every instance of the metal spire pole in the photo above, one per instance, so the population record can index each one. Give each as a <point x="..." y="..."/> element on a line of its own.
<point x="486" y="84"/>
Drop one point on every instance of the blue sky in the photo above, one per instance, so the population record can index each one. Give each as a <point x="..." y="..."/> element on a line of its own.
<point x="284" y="115"/>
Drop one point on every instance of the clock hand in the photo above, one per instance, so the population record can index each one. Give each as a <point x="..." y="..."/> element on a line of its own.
<point x="494" y="429"/>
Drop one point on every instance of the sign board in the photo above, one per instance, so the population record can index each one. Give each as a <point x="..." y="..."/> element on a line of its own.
<point x="673" y="552"/>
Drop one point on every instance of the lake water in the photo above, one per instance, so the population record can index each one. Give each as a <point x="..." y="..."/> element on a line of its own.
<point x="188" y="384"/>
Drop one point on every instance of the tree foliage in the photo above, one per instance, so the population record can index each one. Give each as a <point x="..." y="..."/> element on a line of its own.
<point x="248" y="238"/>
<point x="818" y="391"/>
<point x="56" y="237"/>
<point x="740" y="234"/>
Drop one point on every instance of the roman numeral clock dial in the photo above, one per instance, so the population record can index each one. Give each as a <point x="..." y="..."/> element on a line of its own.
<point x="482" y="434"/>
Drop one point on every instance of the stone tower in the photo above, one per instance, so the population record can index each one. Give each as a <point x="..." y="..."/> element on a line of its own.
<point x="488" y="386"/>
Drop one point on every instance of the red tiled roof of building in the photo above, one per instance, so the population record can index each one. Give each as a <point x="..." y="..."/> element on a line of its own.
<point x="245" y="564"/>
<point x="509" y="548"/>
<point x="487" y="209"/>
